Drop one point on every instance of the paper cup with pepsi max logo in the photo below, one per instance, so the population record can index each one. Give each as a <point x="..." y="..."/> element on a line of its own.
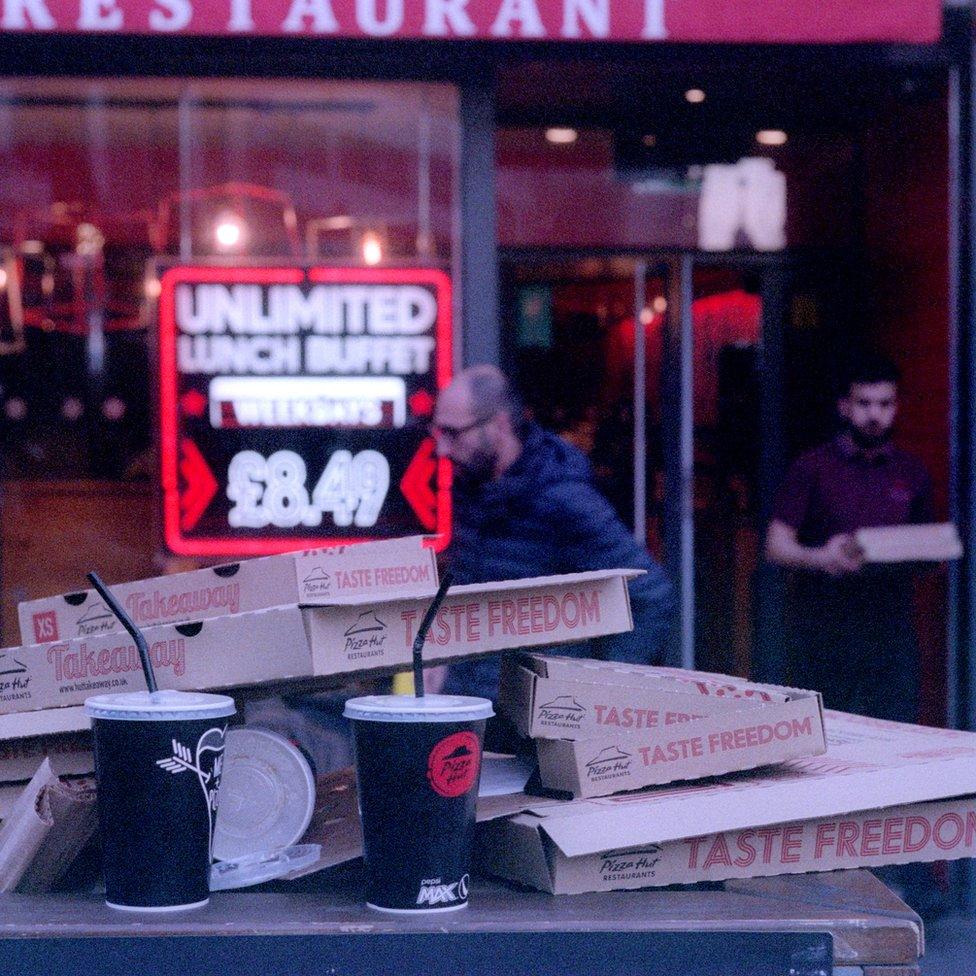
<point x="158" y="763"/>
<point x="418" y="762"/>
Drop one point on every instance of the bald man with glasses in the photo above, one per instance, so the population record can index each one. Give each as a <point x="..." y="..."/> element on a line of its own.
<point x="525" y="505"/>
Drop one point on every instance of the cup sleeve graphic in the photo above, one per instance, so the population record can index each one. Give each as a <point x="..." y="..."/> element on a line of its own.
<point x="206" y="763"/>
<point x="180" y="761"/>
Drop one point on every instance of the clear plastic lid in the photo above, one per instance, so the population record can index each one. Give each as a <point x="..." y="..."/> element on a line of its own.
<point x="267" y="794"/>
<point x="257" y="868"/>
<point x="159" y="706"/>
<point x="410" y="708"/>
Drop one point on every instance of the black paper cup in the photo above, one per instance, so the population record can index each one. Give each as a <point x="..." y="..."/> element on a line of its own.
<point x="418" y="762"/>
<point x="158" y="760"/>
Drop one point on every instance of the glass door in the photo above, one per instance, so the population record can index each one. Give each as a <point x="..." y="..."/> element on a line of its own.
<point x="665" y="370"/>
<point x="718" y="448"/>
<point x="584" y="347"/>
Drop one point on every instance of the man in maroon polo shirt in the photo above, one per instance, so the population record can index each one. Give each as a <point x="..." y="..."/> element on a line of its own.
<point x="853" y="635"/>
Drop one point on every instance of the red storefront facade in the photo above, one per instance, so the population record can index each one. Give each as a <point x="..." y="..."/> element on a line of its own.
<point x="548" y="162"/>
<point x="676" y="21"/>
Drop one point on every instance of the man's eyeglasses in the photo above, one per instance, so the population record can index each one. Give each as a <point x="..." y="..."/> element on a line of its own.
<point x="449" y="433"/>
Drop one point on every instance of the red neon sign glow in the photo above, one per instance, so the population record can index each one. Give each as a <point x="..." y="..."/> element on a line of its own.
<point x="169" y="428"/>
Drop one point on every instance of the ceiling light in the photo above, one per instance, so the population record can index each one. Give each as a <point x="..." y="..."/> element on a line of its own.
<point x="113" y="408"/>
<point x="15" y="408"/>
<point x="72" y="408"/>
<point x="695" y="95"/>
<point x="561" y="137"/>
<point x="228" y="233"/>
<point x="372" y="249"/>
<point x="650" y="141"/>
<point x="771" y="137"/>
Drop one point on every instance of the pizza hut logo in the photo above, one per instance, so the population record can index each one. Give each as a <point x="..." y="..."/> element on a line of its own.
<point x="98" y="619"/>
<point x="10" y="664"/>
<point x="631" y="864"/>
<point x="317" y="583"/>
<point x="12" y="676"/>
<point x="367" y="623"/>
<point x="609" y="763"/>
<point x="366" y="636"/>
<point x="453" y="764"/>
<point x="564" y="712"/>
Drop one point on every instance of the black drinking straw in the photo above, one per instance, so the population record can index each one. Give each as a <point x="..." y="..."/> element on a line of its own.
<point x="418" y="643"/>
<point x="106" y="594"/>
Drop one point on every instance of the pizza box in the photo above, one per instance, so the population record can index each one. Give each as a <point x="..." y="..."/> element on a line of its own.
<point x="883" y="793"/>
<point x="910" y="543"/>
<point x="319" y="645"/>
<point x="404" y="567"/>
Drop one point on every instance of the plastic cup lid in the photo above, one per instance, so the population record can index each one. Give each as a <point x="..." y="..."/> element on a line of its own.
<point x="267" y="795"/>
<point x="256" y="868"/>
<point x="410" y="708"/>
<point x="161" y="706"/>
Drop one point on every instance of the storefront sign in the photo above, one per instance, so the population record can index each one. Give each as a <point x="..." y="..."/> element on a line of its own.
<point x="294" y="404"/>
<point x="705" y="21"/>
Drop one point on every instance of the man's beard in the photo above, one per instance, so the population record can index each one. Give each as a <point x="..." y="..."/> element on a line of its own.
<point x="474" y="472"/>
<point x="869" y="439"/>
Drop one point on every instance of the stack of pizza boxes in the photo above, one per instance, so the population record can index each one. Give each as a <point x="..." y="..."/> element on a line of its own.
<point x="311" y="618"/>
<point x="653" y="776"/>
<point x="603" y="727"/>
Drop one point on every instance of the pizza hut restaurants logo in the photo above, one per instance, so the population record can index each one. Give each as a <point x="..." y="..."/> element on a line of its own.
<point x="609" y="763"/>
<point x="318" y="583"/>
<point x="453" y="764"/>
<point x="366" y="636"/>
<point x="630" y="865"/>
<point x="563" y="712"/>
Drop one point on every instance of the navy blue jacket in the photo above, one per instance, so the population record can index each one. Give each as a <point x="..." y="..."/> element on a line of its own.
<point x="544" y="516"/>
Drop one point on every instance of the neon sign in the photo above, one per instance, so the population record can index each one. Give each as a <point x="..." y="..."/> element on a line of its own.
<point x="293" y="406"/>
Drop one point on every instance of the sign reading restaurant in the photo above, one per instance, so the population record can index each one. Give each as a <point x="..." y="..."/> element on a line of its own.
<point x="294" y="405"/>
<point x="704" y="21"/>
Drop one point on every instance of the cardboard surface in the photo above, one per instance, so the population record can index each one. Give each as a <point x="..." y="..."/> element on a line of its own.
<point x="571" y="698"/>
<point x="709" y="746"/>
<point x="518" y="849"/>
<point x="393" y="567"/>
<point x="938" y="542"/>
<point x="288" y="644"/>
<point x="869" y="765"/>
<point x="474" y="619"/>
<point x="52" y="721"/>
<point x="603" y="728"/>
<point x="248" y="648"/>
<point x="61" y="735"/>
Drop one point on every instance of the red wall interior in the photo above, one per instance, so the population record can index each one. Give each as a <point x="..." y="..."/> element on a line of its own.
<point x="906" y="159"/>
<point x="906" y="207"/>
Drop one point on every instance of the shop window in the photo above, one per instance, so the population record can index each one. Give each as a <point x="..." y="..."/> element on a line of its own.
<point x="98" y="178"/>
<point x="100" y="181"/>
